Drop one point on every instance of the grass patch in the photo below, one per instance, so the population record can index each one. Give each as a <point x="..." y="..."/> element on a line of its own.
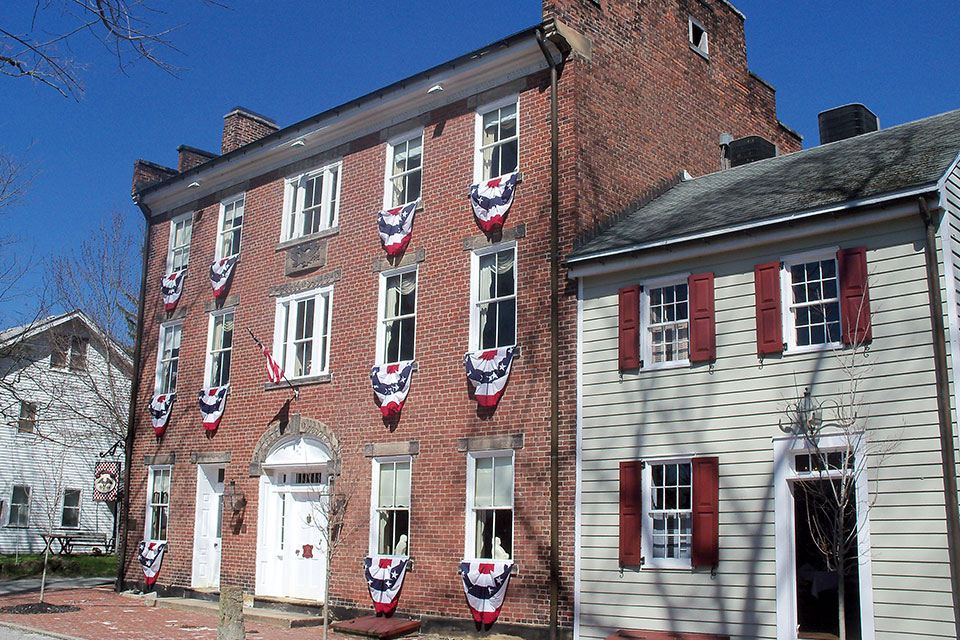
<point x="80" y="565"/>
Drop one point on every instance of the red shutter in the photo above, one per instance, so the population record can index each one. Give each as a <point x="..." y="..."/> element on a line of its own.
<point x="854" y="296"/>
<point x="630" y="512"/>
<point x="766" y="278"/>
<point x="703" y="332"/>
<point x="630" y="327"/>
<point x="706" y="512"/>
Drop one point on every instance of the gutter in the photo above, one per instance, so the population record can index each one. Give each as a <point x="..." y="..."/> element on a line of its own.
<point x="134" y="392"/>
<point x="947" y="459"/>
<point x="554" y="337"/>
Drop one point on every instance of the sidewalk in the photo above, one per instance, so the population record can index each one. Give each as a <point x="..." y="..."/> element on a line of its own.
<point x="105" y="615"/>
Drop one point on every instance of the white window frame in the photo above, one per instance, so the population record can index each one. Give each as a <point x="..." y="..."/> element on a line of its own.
<point x="388" y="176"/>
<point x="148" y="519"/>
<point x="187" y="217"/>
<point x="705" y="49"/>
<point x="474" y="339"/>
<point x="646" y="337"/>
<point x="10" y="522"/>
<point x="478" y="135"/>
<point x="21" y="419"/>
<point x="158" y="377"/>
<point x="786" y="299"/>
<point x="381" y="311"/>
<point x="785" y="476"/>
<point x="79" y="507"/>
<point x="293" y="196"/>
<point x="240" y="197"/>
<point x="322" y="307"/>
<point x="208" y="361"/>
<point x="646" y="528"/>
<point x="470" y="532"/>
<point x="375" y="503"/>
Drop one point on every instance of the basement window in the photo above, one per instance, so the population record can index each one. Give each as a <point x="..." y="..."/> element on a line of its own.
<point x="698" y="38"/>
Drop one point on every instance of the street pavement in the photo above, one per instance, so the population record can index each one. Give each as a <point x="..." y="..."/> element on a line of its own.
<point x="27" y="585"/>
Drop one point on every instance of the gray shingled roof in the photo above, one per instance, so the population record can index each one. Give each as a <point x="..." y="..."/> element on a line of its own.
<point x="884" y="162"/>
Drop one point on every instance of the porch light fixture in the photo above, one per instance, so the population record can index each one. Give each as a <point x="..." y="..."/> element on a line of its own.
<point x="298" y="143"/>
<point x="193" y="185"/>
<point x="437" y="88"/>
<point x="805" y="417"/>
<point x="233" y="497"/>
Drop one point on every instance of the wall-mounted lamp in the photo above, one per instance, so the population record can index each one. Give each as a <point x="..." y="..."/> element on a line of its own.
<point x="193" y="185"/>
<point x="298" y="143"/>
<point x="233" y="498"/>
<point x="805" y="416"/>
<point x="437" y="88"/>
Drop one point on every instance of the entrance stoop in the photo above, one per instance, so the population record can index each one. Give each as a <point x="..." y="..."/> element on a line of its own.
<point x="377" y="627"/>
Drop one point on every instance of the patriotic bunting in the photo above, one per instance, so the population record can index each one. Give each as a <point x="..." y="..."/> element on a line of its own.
<point x="160" y="407"/>
<point x="220" y="272"/>
<point x="492" y="199"/>
<point x="106" y="481"/>
<point x="396" y="227"/>
<point x="391" y="383"/>
<point x="171" y="286"/>
<point x="151" y="557"/>
<point x="485" y="584"/>
<point x="488" y="372"/>
<point x="384" y="578"/>
<point x="212" y="401"/>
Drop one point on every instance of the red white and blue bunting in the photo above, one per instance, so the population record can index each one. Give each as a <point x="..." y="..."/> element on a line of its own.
<point x="384" y="577"/>
<point x="220" y="272"/>
<point x="391" y="384"/>
<point x="151" y="557"/>
<point x="488" y="372"/>
<point x="396" y="227"/>
<point x="171" y="286"/>
<point x="485" y="584"/>
<point x="492" y="199"/>
<point x="212" y="401"/>
<point x="160" y="407"/>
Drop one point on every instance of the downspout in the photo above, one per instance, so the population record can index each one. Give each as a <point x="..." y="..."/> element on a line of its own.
<point x="134" y="391"/>
<point x="948" y="461"/>
<point x="554" y="342"/>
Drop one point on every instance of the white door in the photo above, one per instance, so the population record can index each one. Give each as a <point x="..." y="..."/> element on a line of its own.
<point x="208" y="526"/>
<point x="304" y="558"/>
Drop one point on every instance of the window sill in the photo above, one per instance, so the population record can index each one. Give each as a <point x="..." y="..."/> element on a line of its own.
<point x="514" y="572"/>
<point x="324" y="233"/>
<point x="667" y="567"/>
<point x="299" y="382"/>
<point x="416" y="367"/>
<point x="673" y="364"/>
<point x="700" y="52"/>
<point x="813" y="348"/>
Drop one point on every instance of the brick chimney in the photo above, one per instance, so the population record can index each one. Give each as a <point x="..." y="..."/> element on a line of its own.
<point x="190" y="157"/>
<point x="146" y="173"/>
<point x="242" y="126"/>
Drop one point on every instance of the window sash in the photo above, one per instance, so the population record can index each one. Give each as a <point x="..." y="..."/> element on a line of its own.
<point x="231" y="228"/>
<point x="495" y="313"/>
<point x="221" y="349"/>
<point x="29" y="412"/>
<point x="303" y="337"/>
<point x="322" y="212"/>
<point x="808" y="323"/>
<point x="181" y="233"/>
<point x="169" y="361"/>
<point x="158" y="503"/>
<point x="404" y="185"/>
<point x="492" y="142"/>
<point x="70" y="515"/>
<point x="668" y="512"/>
<point x="490" y="504"/>
<point x="390" y="506"/>
<point x="20" y="506"/>
<point x="398" y="321"/>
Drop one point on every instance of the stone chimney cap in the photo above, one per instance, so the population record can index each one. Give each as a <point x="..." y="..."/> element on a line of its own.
<point x="252" y="115"/>
<point x="199" y="152"/>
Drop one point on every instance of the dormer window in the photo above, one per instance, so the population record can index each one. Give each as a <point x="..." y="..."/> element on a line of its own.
<point x="698" y="38"/>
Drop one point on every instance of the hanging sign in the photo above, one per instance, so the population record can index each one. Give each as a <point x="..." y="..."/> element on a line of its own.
<point x="106" y="481"/>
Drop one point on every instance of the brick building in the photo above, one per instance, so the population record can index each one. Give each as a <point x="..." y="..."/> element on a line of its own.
<point x="644" y="92"/>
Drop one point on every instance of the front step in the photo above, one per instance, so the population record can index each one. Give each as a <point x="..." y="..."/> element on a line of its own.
<point x="377" y="627"/>
<point x="270" y="617"/>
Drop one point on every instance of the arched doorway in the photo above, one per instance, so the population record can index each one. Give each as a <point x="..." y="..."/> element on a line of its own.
<point x="291" y="554"/>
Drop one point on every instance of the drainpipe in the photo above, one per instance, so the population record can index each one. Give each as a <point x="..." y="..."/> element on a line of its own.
<point x="943" y="406"/>
<point x="134" y="391"/>
<point x="554" y="341"/>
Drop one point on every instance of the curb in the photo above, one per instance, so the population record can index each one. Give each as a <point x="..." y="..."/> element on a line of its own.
<point x="49" y="634"/>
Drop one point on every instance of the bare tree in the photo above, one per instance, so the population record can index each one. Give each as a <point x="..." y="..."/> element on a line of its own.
<point x="838" y="441"/>
<point x="330" y="517"/>
<point x="99" y="277"/>
<point x="129" y="31"/>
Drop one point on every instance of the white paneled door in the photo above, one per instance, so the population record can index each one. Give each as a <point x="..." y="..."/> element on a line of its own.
<point x="208" y="527"/>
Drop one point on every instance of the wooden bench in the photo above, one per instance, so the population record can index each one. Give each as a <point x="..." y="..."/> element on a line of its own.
<point x="68" y="540"/>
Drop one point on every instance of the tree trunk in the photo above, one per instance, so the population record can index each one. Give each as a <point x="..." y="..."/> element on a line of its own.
<point x="841" y="601"/>
<point x="43" y="576"/>
<point x="326" y="571"/>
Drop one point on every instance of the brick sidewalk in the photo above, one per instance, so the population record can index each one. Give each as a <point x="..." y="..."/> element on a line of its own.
<point x="105" y="615"/>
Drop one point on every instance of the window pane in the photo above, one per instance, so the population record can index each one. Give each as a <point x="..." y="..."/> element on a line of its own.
<point x="391" y="342"/>
<point x="487" y="280"/>
<point x="408" y="293"/>
<point x="503" y="481"/>
<point x="483" y="547"/>
<point x="402" y="484"/>
<point x="392" y="306"/>
<point x="387" y="484"/>
<point x="506" y="322"/>
<point x="488" y="326"/>
<point x="407" y="330"/>
<point x="483" y="496"/>
<point x="503" y="535"/>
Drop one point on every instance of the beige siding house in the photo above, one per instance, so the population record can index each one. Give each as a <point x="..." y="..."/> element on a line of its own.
<point x="844" y="395"/>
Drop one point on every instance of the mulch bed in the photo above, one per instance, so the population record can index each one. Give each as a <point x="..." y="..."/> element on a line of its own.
<point x="39" y="607"/>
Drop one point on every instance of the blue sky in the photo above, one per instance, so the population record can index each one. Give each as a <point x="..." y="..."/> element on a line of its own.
<point x="290" y="60"/>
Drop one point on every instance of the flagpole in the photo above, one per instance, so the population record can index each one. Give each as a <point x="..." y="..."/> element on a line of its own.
<point x="296" y="391"/>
